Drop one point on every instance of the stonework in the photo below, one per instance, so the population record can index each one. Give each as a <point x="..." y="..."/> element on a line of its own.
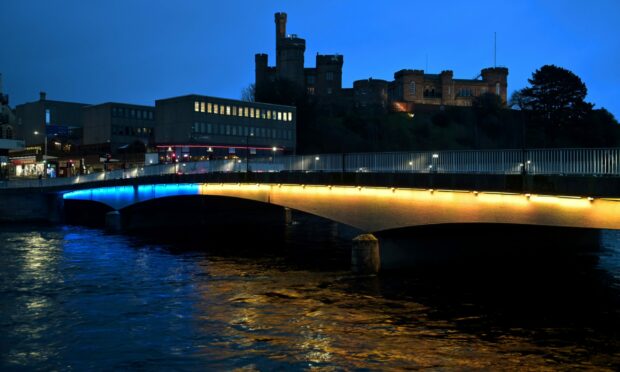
<point x="409" y="87"/>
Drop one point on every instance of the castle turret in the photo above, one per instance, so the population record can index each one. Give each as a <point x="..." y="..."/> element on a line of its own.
<point x="497" y="80"/>
<point x="289" y="53"/>
<point x="280" y="19"/>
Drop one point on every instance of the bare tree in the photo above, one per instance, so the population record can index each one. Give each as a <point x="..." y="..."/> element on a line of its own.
<point x="248" y="93"/>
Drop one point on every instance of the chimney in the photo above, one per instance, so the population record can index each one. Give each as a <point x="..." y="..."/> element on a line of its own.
<point x="42" y="96"/>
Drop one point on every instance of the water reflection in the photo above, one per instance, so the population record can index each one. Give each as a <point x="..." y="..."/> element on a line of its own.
<point x="74" y="298"/>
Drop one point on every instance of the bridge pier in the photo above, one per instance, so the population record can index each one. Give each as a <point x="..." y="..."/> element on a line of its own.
<point x="365" y="257"/>
<point x="113" y="222"/>
<point x="288" y="216"/>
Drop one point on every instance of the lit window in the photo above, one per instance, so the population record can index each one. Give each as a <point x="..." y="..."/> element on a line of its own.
<point x="279" y="115"/>
<point x="290" y="116"/>
<point x="246" y="112"/>
<point x="251" y="112"/>
<point x="216" y="108"/>
<point x="222" y="109"/>
<point x="227" y="110"/>
<point x="263" y="114"/>
<point x="209" y="108"/>
<point x="258" y="113"/>
<point x="234" y="112"/>
<point x="202" y="107"/>
<point x="196" y="106"/>
<point x="269" y="114"/>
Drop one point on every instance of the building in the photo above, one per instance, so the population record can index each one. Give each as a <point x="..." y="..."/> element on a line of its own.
<point x="323" y="82"/>
<point x="44" y="123"/>
<point x="203" y="126"/>
<point x="411" y="87"/>
<point x="110" y="127"/>
<point x="7" y="133"/>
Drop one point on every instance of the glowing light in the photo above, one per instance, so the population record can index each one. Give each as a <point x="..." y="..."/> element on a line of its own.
<point x="435" y="156"/>
<point x="316" y="158"/>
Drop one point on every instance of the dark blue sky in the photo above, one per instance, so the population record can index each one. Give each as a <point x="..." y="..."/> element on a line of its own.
<point x="138" y="51"/>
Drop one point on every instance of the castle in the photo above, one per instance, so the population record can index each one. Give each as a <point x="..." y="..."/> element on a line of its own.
<point x="409" y="88"/>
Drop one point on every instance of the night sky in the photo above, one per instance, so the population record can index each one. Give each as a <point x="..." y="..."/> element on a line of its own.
<point x="139" y="51"/>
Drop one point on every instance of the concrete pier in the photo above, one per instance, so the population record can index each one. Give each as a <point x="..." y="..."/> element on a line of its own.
<point x="365" y="257"/>
<point x="113" y="222"/>
<point x="288" y="216"/>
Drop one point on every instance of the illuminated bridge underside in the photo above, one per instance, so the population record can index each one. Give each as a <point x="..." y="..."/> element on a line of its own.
<point x="377" y="209"/>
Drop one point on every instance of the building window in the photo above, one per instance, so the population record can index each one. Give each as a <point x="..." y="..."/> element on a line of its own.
<point x="234" y="110"/>
<point x="234" y="130"/>
<point x="310" y="80"/>
<point x="311" y="91"/>
<point x="227" y="110"/>
<point x="228" y="130"/>
<point x="222" y="109"/>
<point x="251" y="112"/>
<point x="216" y="109"/>
<point x="268" y="114"/>
<point x="246" y="112"/>
<point x="202" y="107"/>
<point x="279" y="115"/>
<point x="497" y="88"/>
<point x="48" y="116"/>
<point x="329" y="76"/>
<point x="329" y="90"/>
<point x="290" y="116"/>
<point x="209" y="128"/>
<point x="412" y="88"/>
<point x="209" y="108"/>
<point x="196" y="106"/>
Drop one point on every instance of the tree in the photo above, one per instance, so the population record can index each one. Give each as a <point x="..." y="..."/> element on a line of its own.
<point x="248" y="93"/>
<point x="556" y="95"/>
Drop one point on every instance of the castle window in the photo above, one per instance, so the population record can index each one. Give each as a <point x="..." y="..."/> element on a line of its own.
<point x="412" y="88"/>
<point x="197" y="106"/>
<point x="329" y="76"/>
<point x="497" y="88"/>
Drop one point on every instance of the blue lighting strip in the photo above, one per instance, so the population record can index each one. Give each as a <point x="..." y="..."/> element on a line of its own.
<point x="121" y="196"/>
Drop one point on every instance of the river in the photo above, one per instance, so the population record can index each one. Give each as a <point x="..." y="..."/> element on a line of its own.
<point x="75" y="298"/>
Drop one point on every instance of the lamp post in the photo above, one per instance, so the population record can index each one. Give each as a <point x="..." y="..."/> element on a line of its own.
<point x="247" y="150"/>
<point x="36" y="133"/>
<point x="273" y="157"/>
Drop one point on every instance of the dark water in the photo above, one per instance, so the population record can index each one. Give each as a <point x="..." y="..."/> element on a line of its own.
<point x="74" y="298"/>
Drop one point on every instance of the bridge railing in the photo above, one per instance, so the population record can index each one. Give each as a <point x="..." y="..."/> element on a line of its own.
<point x="593" y="162"/>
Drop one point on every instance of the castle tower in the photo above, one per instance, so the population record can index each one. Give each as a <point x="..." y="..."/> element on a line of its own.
<point x="289" y="53"/>
<point x="280" y="27"/>
<point x="497" y="81"/>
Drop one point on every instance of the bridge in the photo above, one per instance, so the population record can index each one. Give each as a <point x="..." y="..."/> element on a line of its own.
<point x="371" y="192"/>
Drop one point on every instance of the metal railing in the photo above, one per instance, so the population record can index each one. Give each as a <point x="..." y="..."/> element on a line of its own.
<point x="590" y="162"/>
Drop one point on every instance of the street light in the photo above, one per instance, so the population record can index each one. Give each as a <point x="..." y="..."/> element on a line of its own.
<point x="247" y="149"/>
<point x="36" y="133"/>
<point x="273" y="157"/>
